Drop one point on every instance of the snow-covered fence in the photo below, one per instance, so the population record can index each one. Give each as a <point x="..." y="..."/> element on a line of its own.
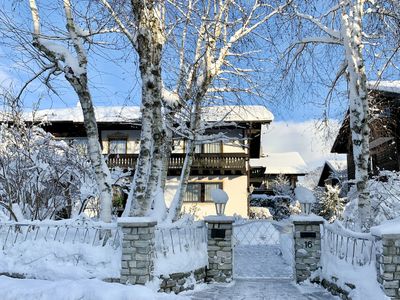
<point x="352" y="247"/>
<point x="180" y="249"/>
<point x="66" y="249"/>
<point x="96" y="235"/>
<point x="172" y="240"/>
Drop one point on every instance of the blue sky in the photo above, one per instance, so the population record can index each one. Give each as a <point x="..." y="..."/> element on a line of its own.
<point x="114" y="80"/>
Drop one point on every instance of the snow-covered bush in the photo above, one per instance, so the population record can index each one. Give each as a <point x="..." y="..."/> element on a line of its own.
<point x="282" y="186"/>
<point x="332" y="204"/>
<point x="384" y="192"/>
<point x="278" y="206"/>
<point x="41" y="177"/>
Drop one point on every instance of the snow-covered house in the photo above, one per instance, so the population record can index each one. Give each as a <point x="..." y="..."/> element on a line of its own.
<point x="215" y="165"/>
<point x="333" y="172"/>
<point x="384" y="99"/>
<point x="266" y="169"/>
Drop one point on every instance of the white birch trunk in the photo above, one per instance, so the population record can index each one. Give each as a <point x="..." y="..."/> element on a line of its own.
<point x="77" y="77"/>
<point x="150" y="42"/>
<point x="359" y="108"/>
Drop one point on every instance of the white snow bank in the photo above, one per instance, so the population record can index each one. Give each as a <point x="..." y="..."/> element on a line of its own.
<point x="363" y="277"/>
<point x="387" y="227"/>
<point x="94" y="289"/>
<point x="304" y="195"/>
<point x="55" y="260"/>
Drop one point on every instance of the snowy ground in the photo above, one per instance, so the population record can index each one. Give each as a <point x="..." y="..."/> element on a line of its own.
<point x="86" y="289"/>
<point x="262" y="289"/>
<point x="260" y="261"/>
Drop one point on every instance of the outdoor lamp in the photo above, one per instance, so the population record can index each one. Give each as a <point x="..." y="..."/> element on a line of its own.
<point x="305" y="207"/>
<point x="220" y="198"/>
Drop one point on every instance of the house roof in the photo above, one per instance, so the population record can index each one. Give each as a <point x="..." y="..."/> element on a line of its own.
<point x="337" y="165"/>
<point x="391" y="86"/>
<point x="126" y="114"/>
<point x="290" y="163"/>
<point x="386" y="88"/>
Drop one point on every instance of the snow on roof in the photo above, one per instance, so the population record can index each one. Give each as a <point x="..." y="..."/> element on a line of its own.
<point x="337" y="165"/>
<point x="392" y="86"/>
<point x="231" y="113"/>
<point x="280" y="163"/>
<point x="248" y="113"/>
<point x="74" y="114"/>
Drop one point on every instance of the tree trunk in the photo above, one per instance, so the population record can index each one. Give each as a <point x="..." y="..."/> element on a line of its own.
<point x="150" y="42"/>
<point x="359" y="108"/>
<point x="177" y="202"/>
<point x="101" y="170"/>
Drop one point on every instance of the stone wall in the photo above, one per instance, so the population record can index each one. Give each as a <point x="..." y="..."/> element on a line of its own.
<point x="137" y="262"/>
<point x="307" y="248"/>
<point x="219" y="249"/>
<point x="179" y="282"/>
<point x="388" y="264"/>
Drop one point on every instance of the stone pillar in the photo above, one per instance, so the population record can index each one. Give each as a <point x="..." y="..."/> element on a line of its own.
<point x="137" y="262"/>
<point x="307" y="246"/>
<point x="388" y="263"/>
<point x="219" y="248"/>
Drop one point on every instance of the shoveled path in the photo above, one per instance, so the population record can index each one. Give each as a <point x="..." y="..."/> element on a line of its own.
<point x="260" y="289"/>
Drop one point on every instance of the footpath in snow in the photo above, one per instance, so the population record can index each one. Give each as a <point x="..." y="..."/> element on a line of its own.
<point x="262" y="289"/>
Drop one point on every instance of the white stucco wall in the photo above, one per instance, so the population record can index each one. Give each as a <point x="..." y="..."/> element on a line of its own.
<point x="133" y="137"/>
<point x="234" y="186"/>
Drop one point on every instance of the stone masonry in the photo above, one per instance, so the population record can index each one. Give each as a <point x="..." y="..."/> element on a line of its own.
<point x="137" y="262"/>
<point x="179" y="282"/>
<point x="219" y="249"/>
<point x="388" y="264"/>
<point x="307" y="247"/>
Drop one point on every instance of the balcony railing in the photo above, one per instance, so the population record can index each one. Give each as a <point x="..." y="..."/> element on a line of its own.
<point x="203" y="161"/>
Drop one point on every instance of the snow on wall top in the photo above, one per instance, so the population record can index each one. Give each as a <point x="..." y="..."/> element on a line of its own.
<point x="392" y="86"/>
<point x="280" y="163"/>
<point x="126" y="114"/>
<point x="337" y="165"/>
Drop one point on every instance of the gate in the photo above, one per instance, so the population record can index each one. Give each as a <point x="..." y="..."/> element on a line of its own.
<point x="262" y="249"/>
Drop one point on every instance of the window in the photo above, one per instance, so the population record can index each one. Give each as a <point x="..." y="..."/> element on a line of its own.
<point x="117" y="146"/>
<point x="200" y="192"/>
<point x="209" y="148"/>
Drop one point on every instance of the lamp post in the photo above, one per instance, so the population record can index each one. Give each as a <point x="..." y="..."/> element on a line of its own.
<point x="220" y="199"/>
<point x="305" y="207"/>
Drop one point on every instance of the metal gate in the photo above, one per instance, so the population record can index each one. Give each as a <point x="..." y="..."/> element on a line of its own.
<point x="262" y="249"/>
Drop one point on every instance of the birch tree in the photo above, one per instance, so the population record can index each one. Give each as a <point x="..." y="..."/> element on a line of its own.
<point x="343" y="26"/>
<point x="142" y="23"/>
<point x="72" y="63"/>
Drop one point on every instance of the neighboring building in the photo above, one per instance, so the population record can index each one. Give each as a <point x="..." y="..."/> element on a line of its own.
<point x="266" y="169"/>
<point x="384" y="99"/>
<point x="333" y="172"/>
<point x="215" y="165"/>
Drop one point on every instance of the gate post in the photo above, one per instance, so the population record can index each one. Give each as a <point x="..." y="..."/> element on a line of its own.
<point x="307" y="245"/>
<point x="219" y="248"/>
<point x="137" y="262"/>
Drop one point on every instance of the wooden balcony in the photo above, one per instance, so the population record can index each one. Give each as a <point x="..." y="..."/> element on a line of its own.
<point x="201" y="162"/>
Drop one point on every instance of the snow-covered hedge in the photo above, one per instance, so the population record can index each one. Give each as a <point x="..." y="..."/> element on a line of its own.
<point x="40" y="177"/>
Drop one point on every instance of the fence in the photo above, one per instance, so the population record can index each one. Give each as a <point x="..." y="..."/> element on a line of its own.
<point x="88" y="233"/>
<point x="173" y="240"/>
<point x="352" y="247"/>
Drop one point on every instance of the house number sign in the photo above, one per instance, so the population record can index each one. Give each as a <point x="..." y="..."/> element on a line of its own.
<point x="309" y="236"/>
